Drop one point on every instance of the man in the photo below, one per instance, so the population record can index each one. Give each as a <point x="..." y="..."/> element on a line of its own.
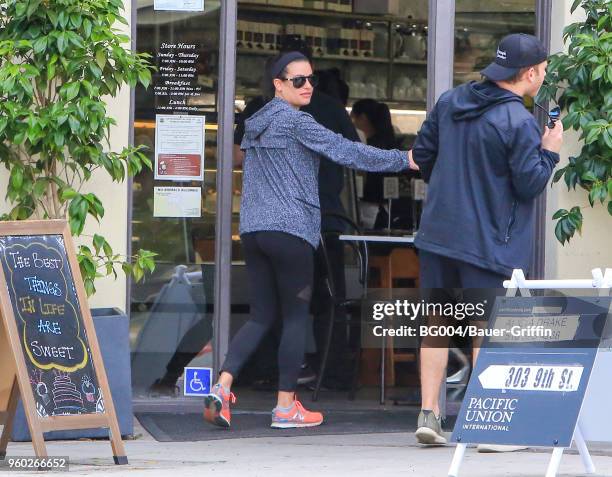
<point x="482" y="154"/>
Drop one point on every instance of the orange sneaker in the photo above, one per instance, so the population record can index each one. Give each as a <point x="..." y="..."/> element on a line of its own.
<point x="296" y="416"/>
<point x="217" y="406"/>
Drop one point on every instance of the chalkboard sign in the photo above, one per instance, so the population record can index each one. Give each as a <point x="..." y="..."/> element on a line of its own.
<point x="53" y="361"/>
<point x="52" y="335"/>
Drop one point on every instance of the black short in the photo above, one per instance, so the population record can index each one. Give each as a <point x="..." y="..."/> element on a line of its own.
<point x="447" y="280"/>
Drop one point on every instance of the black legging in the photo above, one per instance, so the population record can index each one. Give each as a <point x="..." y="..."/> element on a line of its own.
<point x="280" y="271"/>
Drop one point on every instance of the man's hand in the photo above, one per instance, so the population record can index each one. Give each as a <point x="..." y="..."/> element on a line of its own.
<point x="411" y="164"/>
<point x="552" y="140"/>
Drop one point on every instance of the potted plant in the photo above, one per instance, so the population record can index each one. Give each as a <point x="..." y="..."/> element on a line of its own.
<point x="58" y="60"/>
<point x="580" y="81"/>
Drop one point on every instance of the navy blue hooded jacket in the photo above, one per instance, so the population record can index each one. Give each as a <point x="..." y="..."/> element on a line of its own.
<point x="480" y="152"/>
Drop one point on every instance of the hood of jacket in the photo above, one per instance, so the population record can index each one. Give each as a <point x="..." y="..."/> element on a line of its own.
<point x="476" y="98"/>
<point x="257" y="124"/>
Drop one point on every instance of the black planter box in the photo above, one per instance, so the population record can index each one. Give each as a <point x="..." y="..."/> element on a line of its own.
<point x="112" y="329"/>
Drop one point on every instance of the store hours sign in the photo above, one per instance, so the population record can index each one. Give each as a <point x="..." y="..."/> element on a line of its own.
<point x="530" y="393"/>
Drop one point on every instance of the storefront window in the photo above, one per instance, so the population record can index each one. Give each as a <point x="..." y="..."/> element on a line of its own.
<point x="480" y="25"/>
<point x="362" y="50"/>
<point x="369" y="56"/>
<point x="174" y="206"/>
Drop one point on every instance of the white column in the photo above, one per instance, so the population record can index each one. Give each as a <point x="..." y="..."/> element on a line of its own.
<point x="591" y="250"/>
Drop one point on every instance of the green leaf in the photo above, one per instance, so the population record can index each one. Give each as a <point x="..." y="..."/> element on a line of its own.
<point x="575" y="5"/>
<point x="90" y="289"/>
<point x="32" y="7"/>
<point x="610" y="207"/>
<point x="558" y="175"/>
<point x="95" y="70"/>
<point x="52" y="15"/>
<point x="98" y="242"/>
<point x="561" y="237"/>
<point x="144" y="76"/>
<point x="72" y="90"/>
<point x="68" y="194"/>
<point x="62" y="43"/>
<point x="598" y="72"/>
<point x="101" y="58"/>
<point x="137" y="273"/>
<point x="560" y="213"/>
<point x="127" y="268"/>
<point x="40" y="44"/>
<point x="87" y="27"/>
<point x="16" y="178"/>
<point x="592" y="135"/>
<point x="20" y="9"/>
<point x="40" y="187"/>
<point x="594" y="194"/>
<point x="75" y="125"/>
<point x="607" y="135"/>
<point x="108" y="251"/>
<point x="50" y="71"/>
<point x="76" y="20"/>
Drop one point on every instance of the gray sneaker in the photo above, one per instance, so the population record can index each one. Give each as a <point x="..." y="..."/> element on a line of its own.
<point x="429" y="429"/>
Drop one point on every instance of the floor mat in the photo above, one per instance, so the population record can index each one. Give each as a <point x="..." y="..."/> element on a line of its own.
<point x="188" y="427"/>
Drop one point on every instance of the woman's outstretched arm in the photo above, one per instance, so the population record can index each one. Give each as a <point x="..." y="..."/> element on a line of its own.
<point x="343" y="151"/>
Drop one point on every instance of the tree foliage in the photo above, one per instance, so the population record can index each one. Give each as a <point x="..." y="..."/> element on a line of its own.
<point x="580" y="81"/>
<point x="58" y="59"/>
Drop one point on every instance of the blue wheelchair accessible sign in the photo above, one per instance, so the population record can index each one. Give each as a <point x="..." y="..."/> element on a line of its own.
<point x="197" y="381"/>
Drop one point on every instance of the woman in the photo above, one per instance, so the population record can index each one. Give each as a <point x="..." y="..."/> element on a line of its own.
<point x="279" y="229"/>
<point x="374" y="120"/>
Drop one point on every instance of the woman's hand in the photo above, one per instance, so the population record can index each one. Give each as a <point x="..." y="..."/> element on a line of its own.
<point x="411" y="164"/>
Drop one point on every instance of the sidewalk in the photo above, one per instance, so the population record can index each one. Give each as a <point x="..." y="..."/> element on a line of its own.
<point x="368" y="455"/>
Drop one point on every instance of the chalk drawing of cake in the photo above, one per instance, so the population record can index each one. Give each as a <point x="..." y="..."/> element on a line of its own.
<point x="67" y="399"/>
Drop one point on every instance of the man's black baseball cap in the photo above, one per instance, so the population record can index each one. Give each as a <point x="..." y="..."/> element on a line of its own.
<point x="514" y="52"/>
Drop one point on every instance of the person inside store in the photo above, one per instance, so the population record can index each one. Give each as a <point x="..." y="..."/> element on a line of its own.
<point x="486" y="161"/>
<point x="332" y="84"/>
<point x="373" y="119"/>
<point x="280" y="230"/>
<point x="327" y="107"/>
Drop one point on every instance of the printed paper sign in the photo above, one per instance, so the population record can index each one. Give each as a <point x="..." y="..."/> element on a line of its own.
<point x="391" y="188"/>
<point x="177" y="202"/>
<point x="179" y="147"/>
<point x="562" y="327"/>
<point x="179" y="5"/>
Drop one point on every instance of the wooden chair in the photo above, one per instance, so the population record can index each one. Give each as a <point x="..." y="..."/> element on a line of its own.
<point x="400" y="264"/>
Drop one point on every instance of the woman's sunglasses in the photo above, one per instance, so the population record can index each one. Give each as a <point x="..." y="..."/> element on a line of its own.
<point x="300" y="81"/>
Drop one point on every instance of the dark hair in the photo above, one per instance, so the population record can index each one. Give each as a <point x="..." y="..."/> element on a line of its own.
<point x="519" y="74"/>
<point x="272" y="71"/>
<point x="331" y="83"/>
<point x="380" y="118"/>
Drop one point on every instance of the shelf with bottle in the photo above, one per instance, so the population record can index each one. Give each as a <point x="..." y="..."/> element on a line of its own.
<point x="319" y="12"/>
<point x="399" y="101"/>
<point x="328" y="57"/>
<point x="267" y="52"/>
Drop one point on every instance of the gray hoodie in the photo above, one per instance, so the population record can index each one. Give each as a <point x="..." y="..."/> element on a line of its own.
<point x="280" y="182"/>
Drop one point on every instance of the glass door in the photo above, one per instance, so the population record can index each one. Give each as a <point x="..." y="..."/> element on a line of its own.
<point x="174" y="206"/>
<point x="365" y="52"/>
